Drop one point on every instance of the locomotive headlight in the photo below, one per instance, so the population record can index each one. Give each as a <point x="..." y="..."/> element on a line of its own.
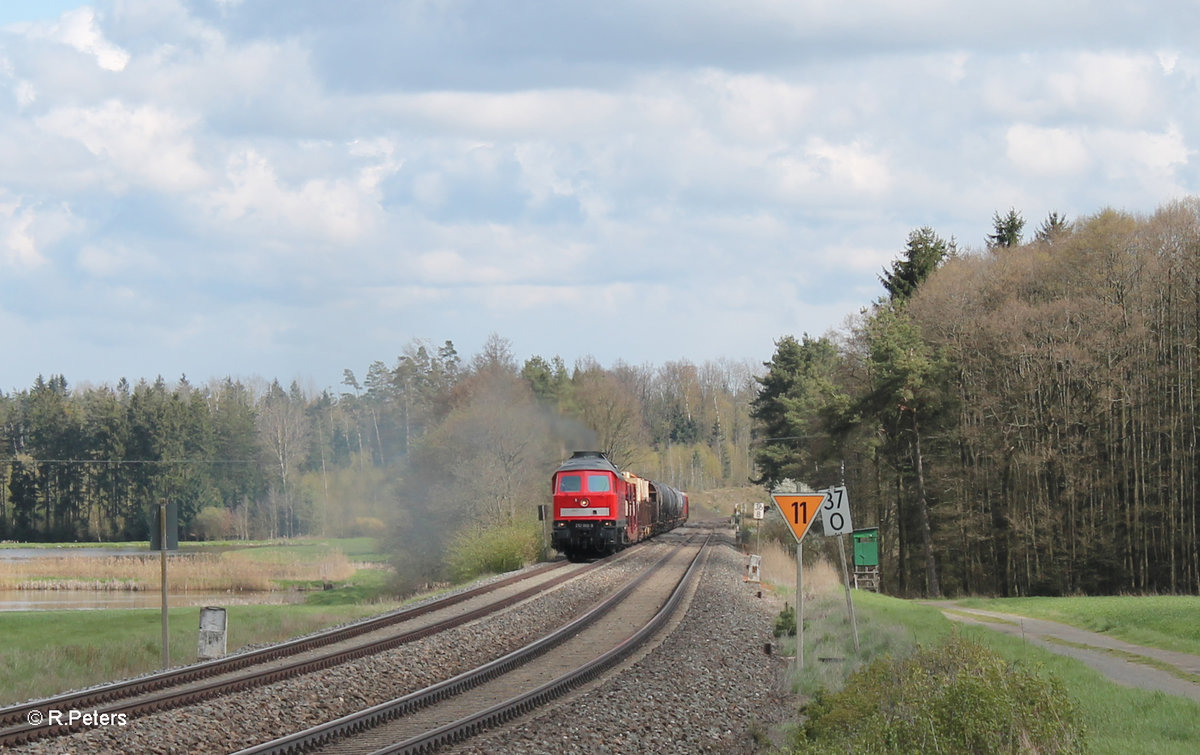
<point x="584" y="503"/>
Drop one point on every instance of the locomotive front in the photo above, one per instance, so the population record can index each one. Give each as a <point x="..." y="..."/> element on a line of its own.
<point x="589" y="506"/>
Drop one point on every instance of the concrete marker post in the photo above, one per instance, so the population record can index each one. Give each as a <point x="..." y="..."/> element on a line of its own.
<point x="849" y="601"/>
<point x="162" y="531"/>
<point x="800" y="604"/>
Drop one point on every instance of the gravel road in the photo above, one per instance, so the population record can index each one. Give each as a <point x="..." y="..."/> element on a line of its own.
<point x="1107" y="655"/>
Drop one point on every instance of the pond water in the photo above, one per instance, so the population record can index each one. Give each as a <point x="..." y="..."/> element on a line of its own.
<point x="20" y="554"/>
<point x="59" y="600"/>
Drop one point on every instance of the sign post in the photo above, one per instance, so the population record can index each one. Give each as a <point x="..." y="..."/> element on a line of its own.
<point x="799" y="510"/>
<point x="760" y="511"/>
<point x="835" y="515"/>
<point x="164" y="536"/>
<point x="163" y="543"/>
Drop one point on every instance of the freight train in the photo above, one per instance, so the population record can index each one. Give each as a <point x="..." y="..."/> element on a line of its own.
<point x="598" y="509"/>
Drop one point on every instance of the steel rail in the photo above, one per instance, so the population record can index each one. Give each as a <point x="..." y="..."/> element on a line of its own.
<point x="515" y="707"/>
<point x="349" y="725"/>
<point x="16" y="718"/>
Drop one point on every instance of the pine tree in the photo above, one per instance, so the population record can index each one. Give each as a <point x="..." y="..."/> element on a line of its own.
<point x="1007" y="229"/>
<point x="1052" y="228"/>
<point x="924" y="253"/>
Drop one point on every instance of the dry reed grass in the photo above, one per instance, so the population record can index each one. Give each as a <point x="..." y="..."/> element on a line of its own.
<point x="779" y="569"/>
<point x="202" y="571"/>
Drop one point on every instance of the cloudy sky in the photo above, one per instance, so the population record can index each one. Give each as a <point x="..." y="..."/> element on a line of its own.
<point x="286" y="189"/>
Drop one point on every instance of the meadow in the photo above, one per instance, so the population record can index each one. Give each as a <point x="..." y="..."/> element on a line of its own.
<point x="47" y="652"/>
<point x="1117" y="719"/>
<point x="238" y="567"/>
<point x="1170" y="622"/>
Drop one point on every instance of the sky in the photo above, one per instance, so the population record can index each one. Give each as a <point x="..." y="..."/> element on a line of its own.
<point x="286" y="189"/>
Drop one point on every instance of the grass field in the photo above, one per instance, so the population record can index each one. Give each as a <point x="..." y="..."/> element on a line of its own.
<point x="239" y="567"/>
<point x="47" y="652"/>
<point x="1118" y="719"/>
<point x="1170" y="622"/>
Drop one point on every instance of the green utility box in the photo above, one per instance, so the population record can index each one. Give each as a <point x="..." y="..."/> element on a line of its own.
<point x="866" y="547"/>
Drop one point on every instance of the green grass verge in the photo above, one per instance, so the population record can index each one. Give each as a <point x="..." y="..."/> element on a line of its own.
<point x="306" y="549"/>
<point x="131" y="544"/>
<point x="90" y="647"/>
<point x="1117" y="719"/>
<point x="366" y="586"/>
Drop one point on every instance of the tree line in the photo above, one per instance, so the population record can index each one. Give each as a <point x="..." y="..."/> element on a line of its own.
<point x="417" y="449"/>
<point x="1021" y="420"/>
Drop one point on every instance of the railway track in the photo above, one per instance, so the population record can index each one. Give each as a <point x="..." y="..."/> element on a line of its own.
<point x="27" y="722"/>
<point x="518" y="682"/>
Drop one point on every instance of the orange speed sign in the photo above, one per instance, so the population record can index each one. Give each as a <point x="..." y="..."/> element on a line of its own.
<point x="799" y="510"/>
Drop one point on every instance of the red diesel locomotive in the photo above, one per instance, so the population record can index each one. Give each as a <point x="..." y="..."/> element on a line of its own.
<point x="598" y="509"/>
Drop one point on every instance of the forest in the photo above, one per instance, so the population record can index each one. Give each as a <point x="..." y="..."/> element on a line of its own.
<point x="418" y="451"/>
<point x="1017" y="420"/>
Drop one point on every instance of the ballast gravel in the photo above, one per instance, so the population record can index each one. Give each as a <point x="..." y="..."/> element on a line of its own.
<point x="708" y="687"/>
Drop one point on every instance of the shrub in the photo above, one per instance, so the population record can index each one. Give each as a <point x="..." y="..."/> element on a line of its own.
<point x="956" y="698"/>
<point x="785" y="622"/>
<point x="213" y="523"/>
<point x="492" y="551"/>
<point x="367" y="526"/>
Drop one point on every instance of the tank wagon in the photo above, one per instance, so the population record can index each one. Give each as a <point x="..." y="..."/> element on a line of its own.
<point x="599" y="509"/>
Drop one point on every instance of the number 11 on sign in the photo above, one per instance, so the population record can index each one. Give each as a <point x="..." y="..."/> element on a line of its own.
<point x="799" y="510"/>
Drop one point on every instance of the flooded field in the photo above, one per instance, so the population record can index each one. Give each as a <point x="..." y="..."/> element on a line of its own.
<point x="26" y="554"/>
<point x="60" y="600"/>
<point x="84" y="577"/>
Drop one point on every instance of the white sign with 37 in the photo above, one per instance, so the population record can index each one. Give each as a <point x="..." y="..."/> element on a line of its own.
<point x="835" y="512"/>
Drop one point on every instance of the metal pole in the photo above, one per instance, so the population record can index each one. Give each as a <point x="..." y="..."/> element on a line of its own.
<point x="846" y="573"/>
<point x="849" y="602"/>
<point x="800" y="604"/>
<point x="162" y="533"/>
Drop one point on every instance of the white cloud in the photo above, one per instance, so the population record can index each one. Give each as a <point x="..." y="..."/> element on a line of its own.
<point x="29" y="230"/>
<point x="145" y="144"/>
<point x="854" y="165"/>
<point x="513" y="114"/>
<point x="26" y="94"/>
<point x="450" y="267"/>
<point x="861" y="258"/>
<point x="329" y="209"/>
<point x="78" y="29"/>
<point x="1047" y="151"/>
<point x="530" y="177"/>
<point x="1051" y="152"/>
<point x="755" y="107"/>
<point x="832" y="170"/>
<point x="114" y="260"/>
<point x="1168" y="60"/>
<point x="1122" y="86"/>
<point x="19" y="248"/>
<point x="1142" y="152"/>
<point x="950" y="66"/>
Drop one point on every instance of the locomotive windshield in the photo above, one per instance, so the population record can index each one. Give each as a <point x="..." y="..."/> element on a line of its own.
<point x="598" y="483"/>
<point x="570" y="483"/>
<point x="573" y="483"/>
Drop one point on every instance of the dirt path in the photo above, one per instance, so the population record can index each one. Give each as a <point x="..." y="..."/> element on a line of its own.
<point x="1114" y="658"/>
